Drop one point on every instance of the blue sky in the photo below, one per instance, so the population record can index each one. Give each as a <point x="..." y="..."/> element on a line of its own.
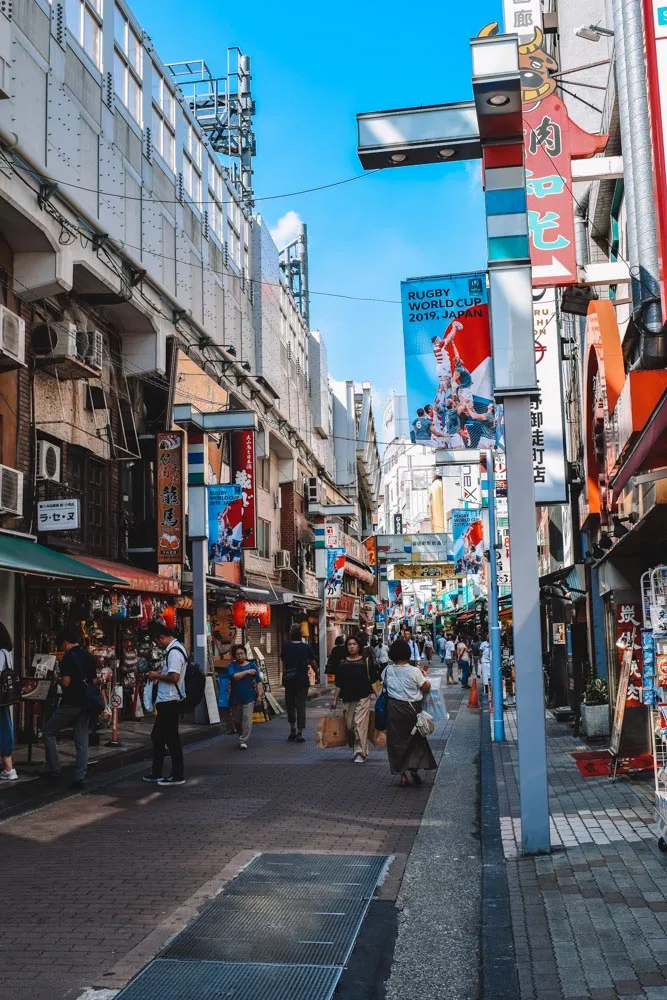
<point x="313" y="69"/>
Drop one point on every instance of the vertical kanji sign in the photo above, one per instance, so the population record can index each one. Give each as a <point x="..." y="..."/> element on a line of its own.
<point x="522" y="17"/>
<point x="243" y="471"/>
<point x="628" y="638"/>
<point x="170" y="497"/>
<point x="546" y="418"/>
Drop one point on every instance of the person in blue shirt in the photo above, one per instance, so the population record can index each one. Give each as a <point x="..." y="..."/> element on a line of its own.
<point x="245" y="689"/>
<point x="421" y="427"/>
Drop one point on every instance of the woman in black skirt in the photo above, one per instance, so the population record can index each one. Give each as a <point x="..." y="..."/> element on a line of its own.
<point x="406" y="685"/>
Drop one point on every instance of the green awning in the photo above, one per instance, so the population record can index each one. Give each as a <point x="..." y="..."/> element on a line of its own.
<point x="21" y="555"/>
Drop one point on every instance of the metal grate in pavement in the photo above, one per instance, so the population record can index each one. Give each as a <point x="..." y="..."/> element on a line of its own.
<point x="356" y="874"/>
<point x="282" y="930"/>
<point x="169" y="980"/>
<point x="262" y="929"/>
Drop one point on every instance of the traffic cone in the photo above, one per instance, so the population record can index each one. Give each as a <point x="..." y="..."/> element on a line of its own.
<point x="473" y="700"/>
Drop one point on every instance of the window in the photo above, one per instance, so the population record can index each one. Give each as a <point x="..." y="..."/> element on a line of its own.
<point x="263" y="538"/>
<point x="128" y="65"/>
<point x="84" y="20"/>
<point x="215" y="200"/>
<point x="264" y="473"/>
<point x="164" y="119"/>
<point x="192" y="164"/>
<point x="88" y="477"/>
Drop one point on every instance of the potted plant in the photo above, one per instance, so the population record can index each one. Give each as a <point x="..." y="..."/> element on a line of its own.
<point x="595" y="709"/>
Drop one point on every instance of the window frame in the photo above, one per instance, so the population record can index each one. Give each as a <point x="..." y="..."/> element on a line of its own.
<point x="87" y="11"/>
<point x="263" y="543"/>
<point x="124" y="66"/>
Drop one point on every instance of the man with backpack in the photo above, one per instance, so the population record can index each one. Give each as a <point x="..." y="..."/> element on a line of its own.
<point x="170" y="682"/>
<point x="77" y="669"/>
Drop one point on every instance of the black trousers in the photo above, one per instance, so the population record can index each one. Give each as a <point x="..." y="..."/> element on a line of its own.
<point x="165" y="733"/>
<point x="295" y="703"/>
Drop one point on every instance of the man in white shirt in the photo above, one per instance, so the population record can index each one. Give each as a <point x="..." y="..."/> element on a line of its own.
<point x="415" y="655"/>
<point x="485" y="650"/>
<point x="450" y="652"/>
<point x="170" y="692"/>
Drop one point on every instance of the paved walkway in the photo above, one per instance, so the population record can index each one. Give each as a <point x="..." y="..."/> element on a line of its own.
<point x="93" y="885"/>
<point x="590" y="920"/>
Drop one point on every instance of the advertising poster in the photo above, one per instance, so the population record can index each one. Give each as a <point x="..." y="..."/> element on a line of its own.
<point x="424" y="571"/>
<point x="225" y="523"/>
<point x="333" y="586"/>
<point x="170" y="497"/>
<point x="448" y="361"/>
<point x="243" y="470"/>
<point x="468" y="539"/>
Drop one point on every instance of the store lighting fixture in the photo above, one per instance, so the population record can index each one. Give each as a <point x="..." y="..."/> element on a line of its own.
<point x="594" y="32"/>
<point x="398" y="157"/>
<point x="498" y="100"/>
<point x="446" y="154"/>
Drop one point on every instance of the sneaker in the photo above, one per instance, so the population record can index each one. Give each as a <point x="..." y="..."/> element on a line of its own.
<point x="9" y="775"/>
<point x="243" y="746"/>
<point x="300" y="738"/>
<point x="171" y="781"/>
<point x="359" y="759"/>
<point x="149" y="777"/>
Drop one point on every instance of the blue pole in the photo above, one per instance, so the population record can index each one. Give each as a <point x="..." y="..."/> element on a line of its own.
<point x="494" y="623"/>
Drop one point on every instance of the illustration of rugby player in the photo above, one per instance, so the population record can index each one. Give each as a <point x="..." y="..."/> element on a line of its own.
<point x="443" y="365"/>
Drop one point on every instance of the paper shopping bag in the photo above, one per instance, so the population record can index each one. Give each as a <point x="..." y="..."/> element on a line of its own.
<point x="377" y="737"/>
<point x="331" y="732"/>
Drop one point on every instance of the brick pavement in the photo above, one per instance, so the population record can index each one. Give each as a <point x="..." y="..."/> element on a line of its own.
<point x="590" y="920"/>
<point x="87" y="879"/>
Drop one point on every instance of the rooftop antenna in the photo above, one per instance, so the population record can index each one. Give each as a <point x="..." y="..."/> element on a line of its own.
<point x="294" y="264"/>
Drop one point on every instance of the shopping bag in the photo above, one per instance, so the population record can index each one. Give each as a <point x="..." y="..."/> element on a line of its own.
<point x="331" y="732"/>
<point x="150" y="694"/>
<point x="377" y="736"/>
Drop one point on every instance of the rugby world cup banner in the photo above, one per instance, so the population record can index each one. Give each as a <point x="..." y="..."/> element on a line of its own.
<point x="448" y="365"/>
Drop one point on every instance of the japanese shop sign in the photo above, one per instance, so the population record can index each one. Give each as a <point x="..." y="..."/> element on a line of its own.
<point x="628" y="638"/>
<point x="334" y="535"/>
<point x="243" y="471"/>
<point x="522" y="17"/>
<point x="170" y="496"/>
<point x="398" y="524"/>
<point x="546" y="417"/>
<point x="504" y="576"/>
<point x="58" y="515"/>
<point x="424" y="571"/>
<point x="648" y="673"/>
<point x="412" y="548"/>
<point x="335" y="572"/>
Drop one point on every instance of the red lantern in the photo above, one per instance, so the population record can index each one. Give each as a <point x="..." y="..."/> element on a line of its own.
<point x="169" y="616"/>
<point x="242" y="610"/>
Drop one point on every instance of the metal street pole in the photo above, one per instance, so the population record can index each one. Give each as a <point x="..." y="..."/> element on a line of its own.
<point x="494" y="624"/>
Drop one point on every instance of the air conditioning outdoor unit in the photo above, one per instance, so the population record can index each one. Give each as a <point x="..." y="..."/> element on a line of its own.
<point x="95" y="350"/>
<point x="11" y="491"/>
<point x="68" y="342"/>
<point x="48" y="461"/>
<point x="12" y="335"/>
<point x="281" y="559"/>
<point x="312" y="490"/>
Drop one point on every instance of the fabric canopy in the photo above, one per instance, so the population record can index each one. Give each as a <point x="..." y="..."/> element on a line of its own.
<point x="134" y="578"/>
<point x="22" y="555"/>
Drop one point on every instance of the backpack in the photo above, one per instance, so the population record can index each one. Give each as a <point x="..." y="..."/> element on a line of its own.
<point x="193" y="683"/>
<point x="93" y="699"/>
<point x="10" y="684"/>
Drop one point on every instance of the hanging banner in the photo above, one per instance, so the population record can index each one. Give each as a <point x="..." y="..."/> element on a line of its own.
<point x="243" y="470"/>
<point x="225" y="523"/>
<point x="468" y="542"/>
<point x="170" y="496"/>
<point x="448" y="361"/>
<point x="424" y="571"/>
<point x="333" y="586"/>
<point x="413" y="548"/>
<point x="546" y="417"/>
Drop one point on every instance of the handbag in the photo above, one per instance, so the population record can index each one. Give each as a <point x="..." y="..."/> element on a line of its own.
<point x="424" y="724"/>
<point x="10" y="684"/>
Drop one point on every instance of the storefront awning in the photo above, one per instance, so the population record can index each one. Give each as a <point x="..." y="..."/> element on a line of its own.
<point x="358" y="572"/>
<point x="21" y="555"/>
<point x="133" y="578"/>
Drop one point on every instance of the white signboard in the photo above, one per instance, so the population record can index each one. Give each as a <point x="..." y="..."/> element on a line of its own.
<point x="503" y="558"/>
<point x="522" y="17"/>
<point x="58" y="515"/>
<point x="546" y="416"/>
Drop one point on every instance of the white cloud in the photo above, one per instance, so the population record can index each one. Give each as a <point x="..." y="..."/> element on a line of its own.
<point x="286" y="229"/>
<point x="474" y="174"/>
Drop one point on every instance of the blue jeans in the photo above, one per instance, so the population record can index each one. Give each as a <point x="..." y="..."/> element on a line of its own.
<point x="67" y="715"/>
<point x="464" y="666"/>
<point x="6" y="732"/>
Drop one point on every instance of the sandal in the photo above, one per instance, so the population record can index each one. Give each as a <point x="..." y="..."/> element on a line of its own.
<point x="404" y="781"/>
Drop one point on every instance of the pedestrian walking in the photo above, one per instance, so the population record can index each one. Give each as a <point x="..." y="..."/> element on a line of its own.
<point x="450" y="656"/>
<point x="428" y="648"/>
<point x="170" y="680"/>
<point x="485" y="654"/>
<point x="296" y="657"/>
<point x="475" y="655"/>
<point x="246" y="689"/>
<point x="440" y="645"/>
<point x="415" y="654"/>
<point x="381" y="651"/>
<point x="354" y="687"/>
<point x="408" y="751"/>
<point x="8" y="772"/>
<point x="336" y="655"/>
<point x="463" y="657"/>
<point x="77" y="668"/>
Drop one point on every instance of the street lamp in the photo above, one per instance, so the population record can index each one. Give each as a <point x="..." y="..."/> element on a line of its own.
<point x="594" y="32"/>
<point x="491" y="127"/>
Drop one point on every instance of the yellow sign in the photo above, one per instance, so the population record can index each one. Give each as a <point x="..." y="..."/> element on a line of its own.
<point x="424" y="571"/>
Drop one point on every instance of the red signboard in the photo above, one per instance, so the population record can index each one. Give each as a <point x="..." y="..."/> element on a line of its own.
<point x="243" y="470"/>
<point x="628" y="624"/>
<point x="170" y="497"/>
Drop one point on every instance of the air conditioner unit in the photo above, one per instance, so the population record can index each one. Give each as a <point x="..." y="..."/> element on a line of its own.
<point x="48" y="461"/>
<point x="312" y="490"/>
<point x="67" y="343"/>
<point x="95" y="350"/>
<point x="281" y="559"/>
<point x="11" y="491"/>
<point x="12" y="335"/>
